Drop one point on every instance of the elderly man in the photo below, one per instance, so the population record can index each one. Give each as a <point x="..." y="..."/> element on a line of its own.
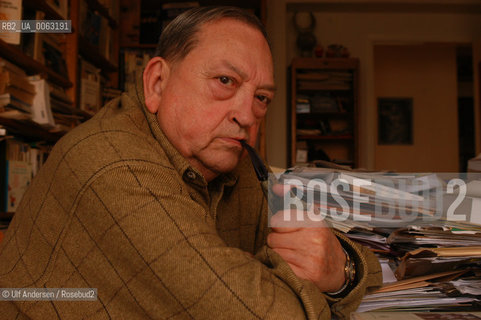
<point x="152" y="202"/>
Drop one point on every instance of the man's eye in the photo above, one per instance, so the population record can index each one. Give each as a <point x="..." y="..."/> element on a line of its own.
<point x="226" y="80"/>
<point x="263" y="99"/>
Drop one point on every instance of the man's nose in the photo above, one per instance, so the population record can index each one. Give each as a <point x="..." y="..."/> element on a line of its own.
<point x="243" y="111"/>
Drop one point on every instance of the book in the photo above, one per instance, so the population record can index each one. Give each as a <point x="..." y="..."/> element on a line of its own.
<point x="416" y="315"/>
<point x="170" y="10"/>
<point x="105" y="43"/>
<point x="41" y="109"/>
<point x="130" y="26"/>
<point x="19" y="162"/>
<point x="90" y="23"/>
<point x="7" y="100"/>
<point x="150" y="23"/>
<point x="59" y="93"/>
<point x="60" y="6"/>
<point x="90" y="96"/>
<point x="10" y="10"/>
<point x="15" y="115"/>
<point x="133" y="63"/>
<point x="474" y="164"/>
<point x="6" y="65"/>
<point x="8" y="78"/>
<point x="18" y="177"/>
<point x="20" y="94"/>
<point x="49" y="51"/>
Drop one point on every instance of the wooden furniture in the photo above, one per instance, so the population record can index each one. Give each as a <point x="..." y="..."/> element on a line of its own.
<point x="64" y="77"/>
<point x="324" y="110"/>
<point x="77" y="45"/>
<point x="73" y="47"/>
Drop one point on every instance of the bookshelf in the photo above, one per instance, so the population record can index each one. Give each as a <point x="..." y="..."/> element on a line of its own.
<point x="323" y="110"/>
<point x="78" y="44"/>
<point x="73" y="47"/>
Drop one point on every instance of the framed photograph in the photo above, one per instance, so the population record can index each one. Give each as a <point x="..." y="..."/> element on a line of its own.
<point x="48" y="51"/>
<point x="395" y="121"/>
<point x="60" y="6"/>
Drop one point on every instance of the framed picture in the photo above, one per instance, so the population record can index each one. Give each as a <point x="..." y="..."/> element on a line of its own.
<point x="395" y="121"/>
<point x="60" y="6"/>
<point x="48" y="51"/>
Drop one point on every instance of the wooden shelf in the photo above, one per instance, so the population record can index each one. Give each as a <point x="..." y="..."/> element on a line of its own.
<point x="103" y="11"/>
<point x="30" y="65"/>
<point x="326" y="137"/>
<point x="42" y="5"/>
<point x="336" y="81"/>
<point x="141" y="46"/>
<point x="322" y="88"/>
<point x="91" y="53"/>
<point x="29" y="130"/>
<point x="324" y="114"/>
<point x="325" y="63"/>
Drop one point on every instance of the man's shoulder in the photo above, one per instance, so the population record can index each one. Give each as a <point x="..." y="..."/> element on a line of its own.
<point x="119" y="132"/>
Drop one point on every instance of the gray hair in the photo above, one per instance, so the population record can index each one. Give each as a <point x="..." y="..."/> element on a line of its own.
<point x="179" y="37"/>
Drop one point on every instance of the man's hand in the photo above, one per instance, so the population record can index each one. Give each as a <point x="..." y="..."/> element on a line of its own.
<point x="312" y="251"/>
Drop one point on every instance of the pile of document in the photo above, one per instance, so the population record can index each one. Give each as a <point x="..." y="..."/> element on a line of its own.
<point x="425" y="229"/>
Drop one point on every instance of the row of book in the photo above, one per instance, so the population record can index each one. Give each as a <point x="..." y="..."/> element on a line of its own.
<point x="49" y="48"/>
<point x="324" y="80"/>
<point x="96" y="29"/>
<point x="19" y="163"/>
<point x="132" y="64"/>
<point x="24" y="97"/>
<point x="424" y="228"/>
<point x="323" y="126"/>
<point x="323" y="103"/>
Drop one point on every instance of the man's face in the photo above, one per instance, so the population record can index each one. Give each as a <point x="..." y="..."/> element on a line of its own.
<point x="217" y="95"/>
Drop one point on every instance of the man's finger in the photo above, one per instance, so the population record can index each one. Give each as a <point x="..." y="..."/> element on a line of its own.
<point x="291" y="220"/>
<point x="282" y="240"/>
<point x="281" y="189"/>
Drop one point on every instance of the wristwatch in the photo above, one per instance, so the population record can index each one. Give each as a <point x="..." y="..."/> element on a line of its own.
<point x="350" y="276"/>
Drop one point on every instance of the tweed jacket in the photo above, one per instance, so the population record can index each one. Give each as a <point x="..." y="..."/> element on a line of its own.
<point x="117" y="208"/>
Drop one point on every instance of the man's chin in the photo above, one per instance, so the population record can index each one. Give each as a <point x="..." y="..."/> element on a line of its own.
<point x="223" y="164"/>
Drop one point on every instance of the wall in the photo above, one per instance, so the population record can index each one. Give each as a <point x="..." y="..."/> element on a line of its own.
<point x="359" y="25"/>
<point x="426" y="73"/>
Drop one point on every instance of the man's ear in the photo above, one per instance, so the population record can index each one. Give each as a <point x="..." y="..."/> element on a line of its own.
<point x="155" y="77"/>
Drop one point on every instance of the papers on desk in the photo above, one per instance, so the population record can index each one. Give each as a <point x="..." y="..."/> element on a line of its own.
<point x="387" y="273"/>
<point x="454" y="251"/>
<point x="432" y="292"/>
<point x="430" y="263"/>
<point x="416" y="316"/>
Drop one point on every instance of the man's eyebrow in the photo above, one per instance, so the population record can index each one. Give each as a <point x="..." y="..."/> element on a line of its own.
<point x="271" y="88"/>
<point x="243" y="75"/>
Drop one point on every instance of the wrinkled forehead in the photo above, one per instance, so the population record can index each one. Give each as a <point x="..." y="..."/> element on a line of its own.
<point x="230" y="26"/>
<point x="228" y="32"/>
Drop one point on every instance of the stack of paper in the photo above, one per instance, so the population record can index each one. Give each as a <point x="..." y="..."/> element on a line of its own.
<point x="423" y="227"/>
<point x="416" y="316"/>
